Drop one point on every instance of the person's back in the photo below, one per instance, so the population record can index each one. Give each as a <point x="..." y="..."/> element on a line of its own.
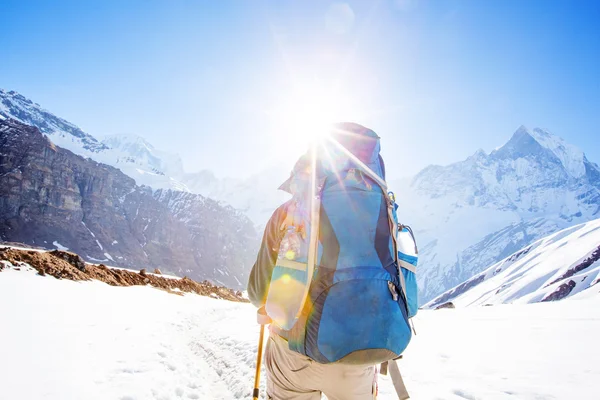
<point x="354" y="313"/>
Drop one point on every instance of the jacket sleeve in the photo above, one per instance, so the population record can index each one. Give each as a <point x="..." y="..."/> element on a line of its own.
<point x="260" y="276"/>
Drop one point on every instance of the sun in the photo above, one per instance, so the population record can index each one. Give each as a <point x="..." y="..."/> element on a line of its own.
<point x="306" y="115"/>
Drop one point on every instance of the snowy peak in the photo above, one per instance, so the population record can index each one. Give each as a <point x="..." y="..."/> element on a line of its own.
<point x="137" y="150"/>
<point x="136" y="143"/>
<point x="521" y="145"/>
<point x="479" y="155"/>
<point x="62" y="133"/>
<point x="571" y="157"/>
<point x="539" y="142"/>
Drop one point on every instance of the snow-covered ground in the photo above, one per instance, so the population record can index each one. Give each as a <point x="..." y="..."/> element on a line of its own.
<point x="66" y="340"/>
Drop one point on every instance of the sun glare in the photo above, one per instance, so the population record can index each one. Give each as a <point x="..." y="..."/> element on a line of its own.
<point x="307" y="115"/>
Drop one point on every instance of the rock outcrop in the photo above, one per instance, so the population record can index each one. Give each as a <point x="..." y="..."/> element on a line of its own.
<point x="66" y="265"/>
<point x="53" y="198"/>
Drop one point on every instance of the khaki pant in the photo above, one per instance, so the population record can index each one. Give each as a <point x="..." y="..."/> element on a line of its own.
<point x="292" y="376"/>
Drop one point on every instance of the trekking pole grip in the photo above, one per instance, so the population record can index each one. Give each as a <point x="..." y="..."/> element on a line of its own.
<point x="261" y="316"/>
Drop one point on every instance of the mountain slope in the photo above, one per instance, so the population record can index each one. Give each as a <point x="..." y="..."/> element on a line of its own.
<point x="54" y="198"/>
<point x="256" y="196"/>
<point x="555" y="267"/>
<point x="473" y="213"/>
<point x="62" y="133"/>
<point x="137" y="158"/>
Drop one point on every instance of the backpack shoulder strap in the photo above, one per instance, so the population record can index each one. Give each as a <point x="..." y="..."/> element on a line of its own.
<point x="313" y="241"/>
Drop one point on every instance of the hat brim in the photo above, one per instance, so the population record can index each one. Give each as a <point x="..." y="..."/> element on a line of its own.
<point x="286" y="186"/>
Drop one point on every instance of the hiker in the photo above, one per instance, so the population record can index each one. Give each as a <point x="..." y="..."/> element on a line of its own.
<point x="334" y="294"/>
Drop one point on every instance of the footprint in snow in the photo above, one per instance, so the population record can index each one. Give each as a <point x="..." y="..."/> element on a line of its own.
<point x="227" y="359"/>
<point x="464" y="395"/>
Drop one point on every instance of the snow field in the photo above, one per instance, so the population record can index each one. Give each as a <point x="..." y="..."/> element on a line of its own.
<point x="86" y="340"/>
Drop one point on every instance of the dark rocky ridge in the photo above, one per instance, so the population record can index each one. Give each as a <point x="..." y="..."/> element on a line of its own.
<point x="50" y="195"/>
<point x="561" y="292"/>
<point x="587" y="262"/>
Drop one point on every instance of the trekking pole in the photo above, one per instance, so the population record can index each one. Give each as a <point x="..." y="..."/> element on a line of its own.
<point x="258" y="364"/>
<point x="263" y="319"/>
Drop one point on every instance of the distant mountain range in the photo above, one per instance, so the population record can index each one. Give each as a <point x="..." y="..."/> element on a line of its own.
<point x="466" y="216"/>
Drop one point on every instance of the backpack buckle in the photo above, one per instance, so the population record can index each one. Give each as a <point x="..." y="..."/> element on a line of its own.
<point x="393" y="290"/>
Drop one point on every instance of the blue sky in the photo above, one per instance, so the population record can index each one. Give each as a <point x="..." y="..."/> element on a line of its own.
<point x="227" y="84"/>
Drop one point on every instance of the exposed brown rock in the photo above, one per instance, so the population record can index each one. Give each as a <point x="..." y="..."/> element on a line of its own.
<point x="446" y="305"/>
<point x="71" y="258"/>
<point x="157" y="271"/>
<point x="561" y="292"/>
<point x="587" y="262"/>
<point x="54" y="263"/>
<point x="460" y="289"/>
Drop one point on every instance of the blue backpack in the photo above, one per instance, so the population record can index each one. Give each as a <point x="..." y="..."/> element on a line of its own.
<point x="340" y="290"/>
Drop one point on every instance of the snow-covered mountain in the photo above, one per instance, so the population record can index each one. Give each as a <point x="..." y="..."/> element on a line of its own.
<point x="471" y="214"/>
<point x="467" y="215"/>
<point x="558" y="266"/>
<point x="51" y="197"/>
<point x="256" y="196"/>
<point x="61" y="132"/>
<point x="139" y="159"/>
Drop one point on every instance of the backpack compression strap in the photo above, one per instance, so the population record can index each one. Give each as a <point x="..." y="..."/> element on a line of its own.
<point x="398" y="381"/>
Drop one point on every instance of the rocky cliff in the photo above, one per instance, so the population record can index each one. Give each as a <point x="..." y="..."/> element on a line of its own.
<point x="56" y="199"/>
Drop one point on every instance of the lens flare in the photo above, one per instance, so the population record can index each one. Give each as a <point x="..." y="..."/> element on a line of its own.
<point x="290" y="254"/>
